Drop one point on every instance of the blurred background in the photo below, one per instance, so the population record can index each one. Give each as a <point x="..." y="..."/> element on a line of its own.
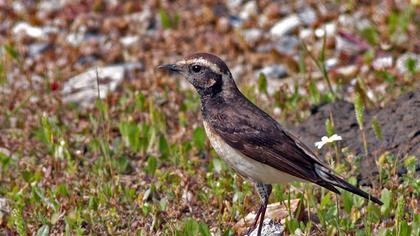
<point x="95" y="140"/>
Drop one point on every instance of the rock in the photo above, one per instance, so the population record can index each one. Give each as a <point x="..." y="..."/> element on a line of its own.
<point x="269" y="228"/>
<point x="331" y="62"/>
<point x="305" y="33"/>
<point x="285" y="25"/>
<point x="51" y="5"/>
<point x="252" y="36"/>
<point x="233" y="5"/>
<point x="238" y="71"/>
<point x="307" y="15"/>
<point x="287" y="44"/>
<point x="345" y="21"/>
<point x="273" y="72"/>
<point x="248" y="10"/>
<point x="401" y="63"/>
<point x="144" y="20"/>
<point x="5" y="152"/>
<point x="129" y="40"/>
<point x="4" y="208"/>
<point x="276" y="212"/>
<point x="350" y="44"/>
<point x="235" y="21"/>
<point x="82" y="89"/>
<point x="27" y="29"/>
<point x="35" y="49"/>
<point x="78" y="38"/>
<point x="382" y="62"/>
<point x="329" y="29"/>
<point x="347" y="71"/>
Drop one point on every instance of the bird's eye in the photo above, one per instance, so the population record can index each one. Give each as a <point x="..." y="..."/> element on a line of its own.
<point x="196" y="68"/>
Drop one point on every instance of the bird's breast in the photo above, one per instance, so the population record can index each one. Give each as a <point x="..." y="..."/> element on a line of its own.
<point x="245" y="166"/>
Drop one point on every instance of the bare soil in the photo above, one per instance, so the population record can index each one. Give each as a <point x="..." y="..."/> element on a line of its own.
<point x="399" y="121"/>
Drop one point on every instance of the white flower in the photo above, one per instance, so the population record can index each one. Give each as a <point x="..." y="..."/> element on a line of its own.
<point x="325" y="140"/>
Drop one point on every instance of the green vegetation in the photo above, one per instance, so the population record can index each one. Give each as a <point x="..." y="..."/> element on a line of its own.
<point x="138" y="162"/>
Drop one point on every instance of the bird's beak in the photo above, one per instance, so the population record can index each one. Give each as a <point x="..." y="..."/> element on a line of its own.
<point x="170" y="67"/>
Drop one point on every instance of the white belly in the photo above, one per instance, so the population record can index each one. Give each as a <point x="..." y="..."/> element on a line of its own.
<point x="245" y="166"/>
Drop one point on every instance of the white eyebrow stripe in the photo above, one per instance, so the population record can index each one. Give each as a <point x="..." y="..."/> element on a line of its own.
<point x="203" y="62"/>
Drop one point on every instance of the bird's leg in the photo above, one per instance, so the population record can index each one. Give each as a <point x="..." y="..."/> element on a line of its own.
<point x="256" y="217"/>
<point x="264" y="191"/>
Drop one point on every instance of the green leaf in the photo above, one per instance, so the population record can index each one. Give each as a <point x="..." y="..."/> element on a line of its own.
<point x="204" y="229"/>
<point x="292" y="225"/>
<point x="122" y="164"/>
<point x="410" y="163"/>
<point x="377" y="128"/>
<point x="329" y="127"/>
<point x="2" y="74"/>
<point x="411" y="65"/>
<point x="130" y="133"/>
<point x="18" y="221"/>
<point x="348" y="202"/>
<point x="164" y="147"/>
<point x="400" y="208"/>
<point x="371" y="35"/>
<point x="217" y="165"/>
<point x="191" y="227"/>
<point x="416" y="224"/>
<point x="140" y="101"/>
<point x="199" y="138"/>
<point x="393" y="22"/>
<point x="12" y="52"/>
<point x="62" y="190"/>
<point x="5" y="161"/>
<point x="228" y="232"/>
<point x="262" y="83"/>
<point x="55" y="217"/>
<point x="359" y="110"/>
<point x="387" y="76"/>
<point x="405" y="229"/>
<point x="43" y="231"/>
<point x="314" y="93"/>
<point x="166" y="20"/>
<point x="386" y="198"/>
<point x="151" y="166"/>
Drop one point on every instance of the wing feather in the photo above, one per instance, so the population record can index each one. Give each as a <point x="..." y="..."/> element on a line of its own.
<point x="256" y="135"/>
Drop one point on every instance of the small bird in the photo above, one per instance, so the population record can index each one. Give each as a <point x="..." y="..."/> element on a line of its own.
<point x="251" y="142"/>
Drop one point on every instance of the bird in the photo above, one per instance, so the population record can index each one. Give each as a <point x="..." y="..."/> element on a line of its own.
<point x="249" y="140"/>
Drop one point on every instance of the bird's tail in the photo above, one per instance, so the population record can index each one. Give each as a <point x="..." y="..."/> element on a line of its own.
<point x="332" y="180"/>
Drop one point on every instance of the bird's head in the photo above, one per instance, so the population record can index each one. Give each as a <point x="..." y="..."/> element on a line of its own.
<point x="206" y="72"/>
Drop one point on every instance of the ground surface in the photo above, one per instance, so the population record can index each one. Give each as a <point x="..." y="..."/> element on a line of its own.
<point x="400" y="129"/>
<point x="137" y="160"/>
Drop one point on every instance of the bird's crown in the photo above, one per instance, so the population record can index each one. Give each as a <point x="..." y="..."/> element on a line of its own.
<point x="211" y="61"/>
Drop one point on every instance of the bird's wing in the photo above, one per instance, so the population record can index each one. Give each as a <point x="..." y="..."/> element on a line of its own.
<point x="256" y="135"/>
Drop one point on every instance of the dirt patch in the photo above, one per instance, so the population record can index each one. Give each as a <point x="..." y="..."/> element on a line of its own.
<point x="399" y="122"/>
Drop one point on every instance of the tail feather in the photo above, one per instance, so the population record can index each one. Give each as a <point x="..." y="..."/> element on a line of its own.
<point x="331" y="180"/>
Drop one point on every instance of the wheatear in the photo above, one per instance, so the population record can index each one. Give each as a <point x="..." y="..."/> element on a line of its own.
<point x="248" y="139"/>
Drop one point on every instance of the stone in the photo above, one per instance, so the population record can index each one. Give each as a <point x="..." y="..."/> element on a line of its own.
<point x="382" y="62"/>
<point x="287" y="44"/>
<point x="269" y="228"/>
<point x="29" y="30"/>
<point x="307" y="15"/>
<point x="83" y="89"/>
<point x="273" y="71"/>
<point x="252" y="36"/>
<point x="285" y="26"/>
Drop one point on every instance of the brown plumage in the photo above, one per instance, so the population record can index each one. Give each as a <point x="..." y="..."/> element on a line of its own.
<point x="249" y="140"/>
